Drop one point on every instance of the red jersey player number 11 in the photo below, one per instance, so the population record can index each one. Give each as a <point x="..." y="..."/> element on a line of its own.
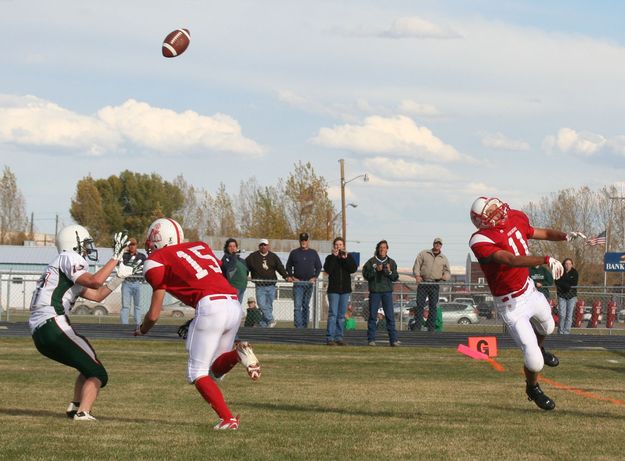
<point x="500" y="246"/>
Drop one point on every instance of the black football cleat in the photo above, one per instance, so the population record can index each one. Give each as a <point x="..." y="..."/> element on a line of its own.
<point x="536" y="394"/>
<point x="550" y="359"/>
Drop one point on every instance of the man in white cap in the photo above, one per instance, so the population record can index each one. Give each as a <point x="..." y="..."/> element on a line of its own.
<point x="263" y="265"/>
<point x="430" y="268"/>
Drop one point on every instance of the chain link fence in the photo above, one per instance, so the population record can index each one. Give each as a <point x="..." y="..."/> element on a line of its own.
<point x="464" y="307"/>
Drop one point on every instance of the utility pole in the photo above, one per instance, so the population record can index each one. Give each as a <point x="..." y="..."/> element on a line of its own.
<point x="365" y="178"/>
<point x="343" y="217"/>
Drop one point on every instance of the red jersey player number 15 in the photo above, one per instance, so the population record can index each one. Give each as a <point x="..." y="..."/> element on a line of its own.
<point x="188" y="271"/>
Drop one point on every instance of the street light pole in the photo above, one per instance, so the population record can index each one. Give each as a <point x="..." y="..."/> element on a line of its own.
<point x="343" y="217"/>
<point x="365" y="178"/>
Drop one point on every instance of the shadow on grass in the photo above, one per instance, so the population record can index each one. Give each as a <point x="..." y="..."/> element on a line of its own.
<point x="61" y="415"/>
<point x="558" y="412"/>
<point x="600" y="367"/>
<point x="324" y="409"/>
<point x="619" y="353"/>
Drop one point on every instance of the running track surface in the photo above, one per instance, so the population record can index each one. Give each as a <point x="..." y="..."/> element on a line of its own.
<point x="312" y="336"/>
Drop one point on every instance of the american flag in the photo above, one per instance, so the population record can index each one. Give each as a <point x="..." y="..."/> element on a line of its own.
<point x="598" y="240"/>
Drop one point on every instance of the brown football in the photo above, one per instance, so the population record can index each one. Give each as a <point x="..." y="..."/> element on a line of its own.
<point x="176" y="42"/>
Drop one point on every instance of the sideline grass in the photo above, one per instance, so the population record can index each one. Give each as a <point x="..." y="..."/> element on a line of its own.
<point x="313" y="403"/>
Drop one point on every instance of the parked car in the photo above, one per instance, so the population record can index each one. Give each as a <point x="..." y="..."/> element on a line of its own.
<point x="87" y="307"/>
<point x="461" y="313"/>
<point x="177" y="310"/>
<point x="469" y="301"/>
<point x="486" y="309"/>
<point x="453" y="312"/>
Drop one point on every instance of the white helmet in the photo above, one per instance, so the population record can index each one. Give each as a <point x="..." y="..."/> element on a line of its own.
<point x="76" y="238"/>
<point x="484" y="216"/>
<point x="163" y="232"/>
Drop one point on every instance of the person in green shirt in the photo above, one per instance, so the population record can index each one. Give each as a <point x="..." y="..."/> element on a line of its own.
<point x="350" y="321"/>
<point x="541" y="275"/>
<point x="234" y="267"/>
<point x="254" y="315"/>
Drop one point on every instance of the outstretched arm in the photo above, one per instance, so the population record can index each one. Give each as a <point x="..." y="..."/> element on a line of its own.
<point x="549" y="234"/>
<point x="512" y="260"/>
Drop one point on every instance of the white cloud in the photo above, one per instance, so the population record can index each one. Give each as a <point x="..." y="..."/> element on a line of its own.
<point x="568" y="140"/>
<point x="397" y="135"/>
<point x="169" y="132"/>
<point x="349" y="111"/>
<point x="402" y="170"/>
<point x="502" y="142"/>
<point x="408" y="106"/>
<point x="31" y="121"/>
<point x="405" y="27"/>
<point x="416" y="27"/>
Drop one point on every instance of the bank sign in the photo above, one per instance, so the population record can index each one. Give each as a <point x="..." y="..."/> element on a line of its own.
<point x="614" y="262"/>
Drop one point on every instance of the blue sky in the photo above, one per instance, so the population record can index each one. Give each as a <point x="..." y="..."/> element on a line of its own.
<point x="438" y="101"/>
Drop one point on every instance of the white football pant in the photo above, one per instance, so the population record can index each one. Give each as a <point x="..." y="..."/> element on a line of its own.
<point x="211" y="333"/>
<point x="531" y="309"/>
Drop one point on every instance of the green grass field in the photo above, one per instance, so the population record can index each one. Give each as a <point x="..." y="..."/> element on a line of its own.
<point x="313" y="403"/>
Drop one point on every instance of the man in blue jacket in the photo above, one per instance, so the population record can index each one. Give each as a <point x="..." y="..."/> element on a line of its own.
<point x="303" y="268"/>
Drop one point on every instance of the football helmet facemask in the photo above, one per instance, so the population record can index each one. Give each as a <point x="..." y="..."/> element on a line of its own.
<point x="76" y="238"/>
<point x="163" y="232"/>
<point x="487" y="212"/>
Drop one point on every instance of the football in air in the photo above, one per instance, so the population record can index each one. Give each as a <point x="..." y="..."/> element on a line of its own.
<point x="176" y="42"/>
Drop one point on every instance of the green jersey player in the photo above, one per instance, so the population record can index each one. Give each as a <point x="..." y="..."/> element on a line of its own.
<point x="65" y="279"/>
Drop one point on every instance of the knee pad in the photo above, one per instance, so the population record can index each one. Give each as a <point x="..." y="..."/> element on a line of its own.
<point x="544" y="328"/>
<point x="534" y="360"/>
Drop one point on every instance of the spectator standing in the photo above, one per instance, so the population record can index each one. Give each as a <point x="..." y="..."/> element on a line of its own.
<point x="131" y="287"/>
<point x="430" y="268"/>
<point x="234" y="267"/>
<point x="263" y="265"/>
<point x="339" y="265"/>
<point x="381" y="271"/>
<point x="303" y="267"/>
<point x="542" y="279"/>
<point x="567" y="296"/>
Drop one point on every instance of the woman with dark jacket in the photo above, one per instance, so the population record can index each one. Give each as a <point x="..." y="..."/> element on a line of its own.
<point x="381" y="271"/>
<point x="234" y="267"/>
<point x="339" y="265"/>
<point x="567" y="296"/>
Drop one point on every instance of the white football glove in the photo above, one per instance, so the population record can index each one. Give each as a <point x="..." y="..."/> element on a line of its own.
<point x="124" y="271"/>
<point x="570" y="236"/>
<point x="555" y="267"/>
<point x="120" y="242"/>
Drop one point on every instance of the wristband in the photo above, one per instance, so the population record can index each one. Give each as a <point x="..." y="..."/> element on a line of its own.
<point x="547" y="258"/>
<point x="114" y="283"/>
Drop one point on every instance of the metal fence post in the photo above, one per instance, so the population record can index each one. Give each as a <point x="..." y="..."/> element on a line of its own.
<point x="9" y="293"/>
<point x="1" y="303"/>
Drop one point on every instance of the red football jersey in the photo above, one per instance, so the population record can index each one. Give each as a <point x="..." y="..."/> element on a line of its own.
<point x="511" y="237"/>
<point x="188" y="271"/>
